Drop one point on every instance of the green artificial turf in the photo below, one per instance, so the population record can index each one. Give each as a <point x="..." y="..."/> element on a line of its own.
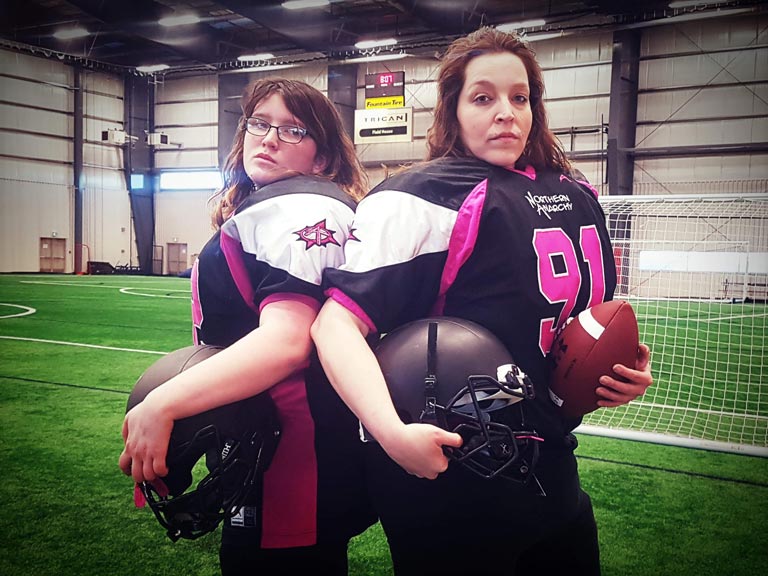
<point x="68" y="510"/>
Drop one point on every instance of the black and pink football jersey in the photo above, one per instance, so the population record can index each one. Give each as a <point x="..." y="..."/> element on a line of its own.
<point x="517" y="251"/>
<point x="276" y="247"/>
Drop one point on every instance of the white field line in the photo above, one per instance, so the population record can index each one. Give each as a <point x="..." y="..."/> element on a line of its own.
<point x="122" y="289"/>
<point x="83" y="345"/>
<point x="648" y="317"/>
<point x="698" y="410"/>
<point x="726" y="318"/>
<point x="27" y="310"/>
<point x="188" y="294"/>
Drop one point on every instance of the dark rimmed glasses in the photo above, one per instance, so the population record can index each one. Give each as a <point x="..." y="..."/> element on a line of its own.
<point x="288" y="134"/>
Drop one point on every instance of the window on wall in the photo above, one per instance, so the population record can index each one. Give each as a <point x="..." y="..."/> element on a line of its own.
<point x="137" y="181"/>
<point x="192" y="180"/>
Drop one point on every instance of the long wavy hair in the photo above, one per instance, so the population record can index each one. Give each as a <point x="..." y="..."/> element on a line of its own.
<point x="542" y="150"/>
<point x="321" y="119"/>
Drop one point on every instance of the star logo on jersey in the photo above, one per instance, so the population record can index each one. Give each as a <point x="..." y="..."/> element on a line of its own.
<point x="352" y="235"/>
<point x="317" y="235"/>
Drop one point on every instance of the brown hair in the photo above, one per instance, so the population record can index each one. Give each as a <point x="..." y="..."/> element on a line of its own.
<point x="443" y="138"/>
<point x="321" y="119"/>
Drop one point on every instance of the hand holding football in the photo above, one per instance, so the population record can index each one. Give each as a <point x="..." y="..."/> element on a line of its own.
<point x="588" y="347"/>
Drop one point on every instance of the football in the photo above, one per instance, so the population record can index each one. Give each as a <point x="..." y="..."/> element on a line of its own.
<point x="586" y="348"/>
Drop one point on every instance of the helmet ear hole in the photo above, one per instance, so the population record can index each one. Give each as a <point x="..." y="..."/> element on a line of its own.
<point x="214" y="458"/>
<point x="456" y="374"/>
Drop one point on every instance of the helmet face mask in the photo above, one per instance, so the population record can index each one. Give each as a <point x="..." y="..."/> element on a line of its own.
<point x="236" y="442"/>
<point x="457" y="375"/>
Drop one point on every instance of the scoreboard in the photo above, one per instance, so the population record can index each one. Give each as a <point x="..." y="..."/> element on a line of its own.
<point x="385" y="90"/>
<point x="385" y="119"/>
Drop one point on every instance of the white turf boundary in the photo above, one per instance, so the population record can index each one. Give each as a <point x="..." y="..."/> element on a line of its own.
<point x="27" y="310"/>
<point x="83" y="345"/>
<point x="669" y="440"/>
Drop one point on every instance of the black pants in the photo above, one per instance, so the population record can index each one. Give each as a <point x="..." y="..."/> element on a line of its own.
<point x="571" y="550"/>
<point x="461" y="524"/>
<point x="320" y="560"/>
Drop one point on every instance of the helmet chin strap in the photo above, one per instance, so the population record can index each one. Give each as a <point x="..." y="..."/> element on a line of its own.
<point x="429" y="414"/>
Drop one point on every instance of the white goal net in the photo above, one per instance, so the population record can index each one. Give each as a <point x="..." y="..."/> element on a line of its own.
<point x="695" y="269"/>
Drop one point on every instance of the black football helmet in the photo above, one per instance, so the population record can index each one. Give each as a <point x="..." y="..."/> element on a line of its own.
<point x="457" y="375"/>
<point x="237" y="440"/>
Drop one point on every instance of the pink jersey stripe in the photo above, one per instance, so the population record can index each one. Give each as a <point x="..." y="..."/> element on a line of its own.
<point x="352" y="306"/>
<point x="529" y="172"/>
<point x="282" y="296"/>
<point x="289" y="517"/>
<point x="232" y="250"/>
<point x="588" y="185"/>
<point x="462" y="242"/>
<point x="197" y="308"/>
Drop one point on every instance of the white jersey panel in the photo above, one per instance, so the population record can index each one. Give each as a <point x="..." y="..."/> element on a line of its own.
<point x="401" y="226"/>
<point x="302" y="234"/>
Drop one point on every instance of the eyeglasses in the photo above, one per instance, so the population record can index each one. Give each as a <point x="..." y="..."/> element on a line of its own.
<point x="287" y="134"/>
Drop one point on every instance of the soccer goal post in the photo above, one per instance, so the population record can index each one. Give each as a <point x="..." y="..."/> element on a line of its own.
<point x="695" y="268"/>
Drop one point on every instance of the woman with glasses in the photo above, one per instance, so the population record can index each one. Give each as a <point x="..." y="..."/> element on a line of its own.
<point x="283" y="217"/>
<point x="494" y="228"/>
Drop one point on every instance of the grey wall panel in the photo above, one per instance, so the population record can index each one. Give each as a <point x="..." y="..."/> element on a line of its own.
<point x="183" y="217"/>
<point x="107" y="216"/>
<point x="38" y="147"/>
<point x="704" y="83"/>
<point x="172" y="159"/>
<point x="180" y="113"/>
<point x="47" y="122"/>
<point x="35" y="202"/>
<point x="35" y="93"/>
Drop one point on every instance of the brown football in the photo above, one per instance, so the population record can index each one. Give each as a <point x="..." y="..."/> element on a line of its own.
<point x="588" y="347"/>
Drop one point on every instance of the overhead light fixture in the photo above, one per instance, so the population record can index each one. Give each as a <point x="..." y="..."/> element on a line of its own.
<point x="255" y="57"/>
<point x="266" y="68"/>
<point x="376" y="58"/>
<point x="151" y="69"/>
<point x="70" y="33"/>
<point x="301" y="4"/>
<point x="366" y="44"/>
<point x="512" y="26"/>
<point x="179" y="20"/>
<point x="688" y="3"/>
<point x="545" y="36"/>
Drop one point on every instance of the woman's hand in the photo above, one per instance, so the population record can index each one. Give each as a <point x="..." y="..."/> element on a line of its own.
<point x="418" y="448"/>
<point x="146" y="433"/>
<point x="260" y="359"/>
<point x="614" y="392"/>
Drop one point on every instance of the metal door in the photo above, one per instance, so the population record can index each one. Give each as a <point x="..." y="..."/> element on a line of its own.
<point x="177" y="258"/>
<point x="53" y="255"/>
